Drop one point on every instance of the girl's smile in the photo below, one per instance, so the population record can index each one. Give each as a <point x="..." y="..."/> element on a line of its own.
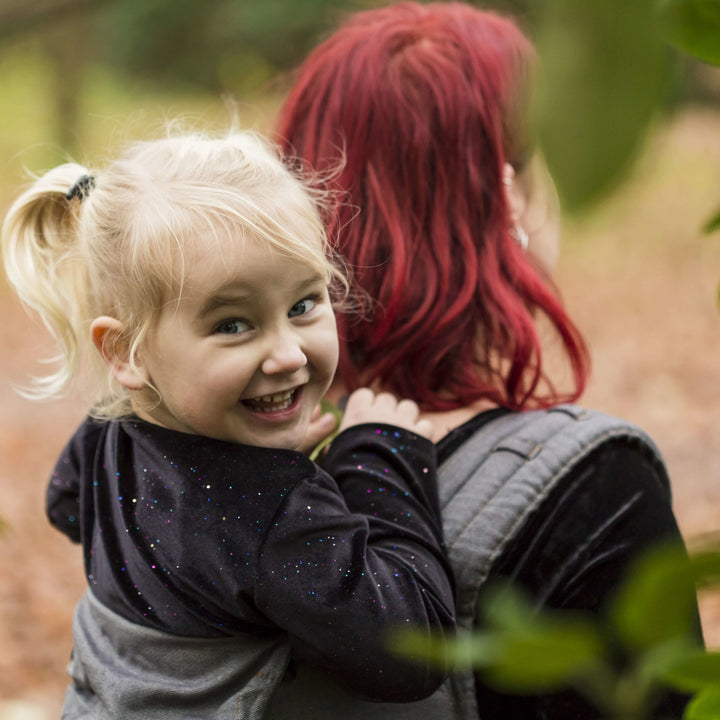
<point x="276" y="404"/>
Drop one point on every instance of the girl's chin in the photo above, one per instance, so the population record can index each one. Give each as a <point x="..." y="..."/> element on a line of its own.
<point x="281" y="441"/>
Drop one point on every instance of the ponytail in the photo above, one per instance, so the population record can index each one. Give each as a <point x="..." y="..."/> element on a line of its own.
<point x="44" y="263"/>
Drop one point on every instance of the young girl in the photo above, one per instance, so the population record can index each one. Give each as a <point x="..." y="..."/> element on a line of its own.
<point x="198" y="270"/>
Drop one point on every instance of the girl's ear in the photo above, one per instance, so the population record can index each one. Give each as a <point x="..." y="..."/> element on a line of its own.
<point x="107" y="337"/>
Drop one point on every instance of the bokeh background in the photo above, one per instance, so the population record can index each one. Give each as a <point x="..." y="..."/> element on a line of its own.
<point x="78" y="78"/>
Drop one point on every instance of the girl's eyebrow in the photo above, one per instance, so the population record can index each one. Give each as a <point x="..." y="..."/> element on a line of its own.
<point x="227" y="296"/>
<point x="216" y="301"/>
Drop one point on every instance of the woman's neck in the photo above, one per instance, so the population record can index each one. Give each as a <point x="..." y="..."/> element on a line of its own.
<point x="447" y="420"/>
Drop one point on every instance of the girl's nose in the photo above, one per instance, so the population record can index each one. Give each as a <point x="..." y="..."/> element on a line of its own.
<point x="285" y="356"/>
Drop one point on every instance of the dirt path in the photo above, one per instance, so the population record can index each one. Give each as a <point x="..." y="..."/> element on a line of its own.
<point x="641" y="284"/>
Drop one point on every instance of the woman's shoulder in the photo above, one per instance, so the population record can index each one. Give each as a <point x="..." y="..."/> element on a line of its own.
<point x="565" y="434"/>
<point x="605" y="496"/>
<point x="562" y="475"/>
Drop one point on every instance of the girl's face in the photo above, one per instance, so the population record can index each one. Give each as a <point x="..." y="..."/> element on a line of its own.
<point x="247" y="352"/>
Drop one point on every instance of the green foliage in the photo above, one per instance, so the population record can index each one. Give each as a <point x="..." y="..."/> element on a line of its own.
<point x="327" y="406"/>
<point x="604" y="73"/>
<point x="166" y="40"/>
<point x="664" y="573"/>
<point x="704" y="706"/>
<point x="713" y="224"/>
<point x="606" y="66"/>
<point x="537" y="652"/>
<point x="693" y="26"/>
<point x="227" y="45"/>
<point x="607" y="70"/>
<point x="651" y="621"/>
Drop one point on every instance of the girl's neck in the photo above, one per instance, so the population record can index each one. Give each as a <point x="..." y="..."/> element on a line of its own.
<point x="444" y="420"/>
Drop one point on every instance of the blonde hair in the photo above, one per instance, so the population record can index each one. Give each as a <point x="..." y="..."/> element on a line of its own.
<point x="117" y="248"/>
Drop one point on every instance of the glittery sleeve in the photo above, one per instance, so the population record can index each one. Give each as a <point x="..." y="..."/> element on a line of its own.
<point x="339" y="569"/>
<point x="62" y="501"/>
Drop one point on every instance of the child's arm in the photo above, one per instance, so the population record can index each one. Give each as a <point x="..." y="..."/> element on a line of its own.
<point x="62" y="500"/>
<point x="341" y="569"/>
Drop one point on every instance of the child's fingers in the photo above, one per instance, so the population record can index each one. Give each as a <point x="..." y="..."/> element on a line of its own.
<point x="362" y="397"/>
<point x="359" y="408"/>
<point x="321" y="425"/>
<point x="424" y="428"/>
<point x="408" y="409"/>
<point x="365" y="406"/>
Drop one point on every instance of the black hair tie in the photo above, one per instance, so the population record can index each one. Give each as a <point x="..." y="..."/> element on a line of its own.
<point x="82" y="187"/>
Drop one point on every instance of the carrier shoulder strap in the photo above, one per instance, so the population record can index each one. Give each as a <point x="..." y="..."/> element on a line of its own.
<point x="492" y="484"/>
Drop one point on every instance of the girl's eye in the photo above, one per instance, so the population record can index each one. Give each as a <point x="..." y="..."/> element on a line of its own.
<point x="302" y="307"/>
<point x="232" y="327"/>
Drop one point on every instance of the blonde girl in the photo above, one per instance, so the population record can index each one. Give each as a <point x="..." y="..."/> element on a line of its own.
<point x="191" y="277"/>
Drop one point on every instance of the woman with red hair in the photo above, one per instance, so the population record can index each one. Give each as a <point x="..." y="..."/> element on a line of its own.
<point x="448" y="221"/>
<point x="424" y="109"/>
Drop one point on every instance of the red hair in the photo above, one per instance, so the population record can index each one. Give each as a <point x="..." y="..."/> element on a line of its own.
<point x="421" y="106"/>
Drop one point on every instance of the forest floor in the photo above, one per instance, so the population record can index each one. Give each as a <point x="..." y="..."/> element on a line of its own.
<point x="638" y="277"/>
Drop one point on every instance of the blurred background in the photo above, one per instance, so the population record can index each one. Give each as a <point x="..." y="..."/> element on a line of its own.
<point x="628" y="115"/>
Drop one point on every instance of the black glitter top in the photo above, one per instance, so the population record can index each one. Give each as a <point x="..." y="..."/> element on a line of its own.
<point x="201" y="537"/>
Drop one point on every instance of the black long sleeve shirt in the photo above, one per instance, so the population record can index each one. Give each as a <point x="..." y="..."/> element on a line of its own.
<point x="201" y="537"/>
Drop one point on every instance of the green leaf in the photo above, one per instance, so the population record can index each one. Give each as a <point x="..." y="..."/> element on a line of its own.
<point x="695" y="671"/>
<point x="705" y="566"/>
<point x="327" y="406"/>
<point x="604" y="73"/>
<point x="693" y="26"/>
<point x="705" y="706"/>
<point x="466" y="649"/>
<point x="657" y="602"/>
<point x="537" y="651"/>
<point x="545" y="660"/>
<point x="519" y="649"/>
<point x="505" y="607"/>
<point x="712" y="224"/>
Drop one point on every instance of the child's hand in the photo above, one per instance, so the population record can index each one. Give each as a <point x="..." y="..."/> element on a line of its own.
<point x="321" y="426"/>
<point x="364" y="406"/>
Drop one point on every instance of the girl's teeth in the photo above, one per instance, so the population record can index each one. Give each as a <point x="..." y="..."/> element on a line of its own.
<point x="279" y="397"/>
<point x="273" y="403"/>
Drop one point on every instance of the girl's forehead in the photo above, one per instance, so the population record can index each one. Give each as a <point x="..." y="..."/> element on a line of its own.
<point x="243" y="257"/>
<point x="235" y="246"/>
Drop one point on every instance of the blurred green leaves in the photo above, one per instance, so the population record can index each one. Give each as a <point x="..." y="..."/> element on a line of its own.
<point x="537" y="652"/>
<point x="693" y="26"/>
<point x="222" y="45"/>
<point x="651" y="607"/>
<point x="608" y="67"/>
<point x="607" y="70"/>
<point x="604" y="73"/>
<point x="704" y="706"/>
<point x="651" y="621"/>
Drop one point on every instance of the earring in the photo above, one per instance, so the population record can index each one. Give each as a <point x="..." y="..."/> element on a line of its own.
<point x="520" y="236"/>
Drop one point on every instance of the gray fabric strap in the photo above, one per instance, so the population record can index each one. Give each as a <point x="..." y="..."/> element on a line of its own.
<point x="499" y="477"/>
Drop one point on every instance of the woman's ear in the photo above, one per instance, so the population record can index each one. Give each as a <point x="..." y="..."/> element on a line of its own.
<point x="108" y="338"/>
<point x="515" y="194"/>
